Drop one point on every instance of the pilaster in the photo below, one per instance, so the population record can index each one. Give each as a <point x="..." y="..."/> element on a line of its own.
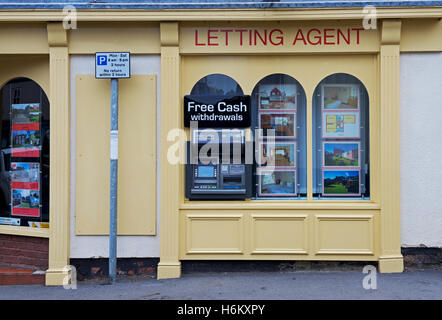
<point x="169" y="265"/>
<point x="59" y="205"/>
<point x="390" y="259"/>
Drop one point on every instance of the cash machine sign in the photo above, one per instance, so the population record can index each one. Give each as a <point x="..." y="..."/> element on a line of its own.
<point x="213" y="111"/>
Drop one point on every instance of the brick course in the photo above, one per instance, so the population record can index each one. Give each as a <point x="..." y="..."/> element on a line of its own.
<point x="24" y="251"/>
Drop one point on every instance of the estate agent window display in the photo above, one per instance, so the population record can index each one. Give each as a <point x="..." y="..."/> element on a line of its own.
<point x="24" y="177"/>
<point x="340" y="135"/>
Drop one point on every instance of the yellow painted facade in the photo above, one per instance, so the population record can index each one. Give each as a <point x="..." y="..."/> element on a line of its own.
<point x="35" y="45"/>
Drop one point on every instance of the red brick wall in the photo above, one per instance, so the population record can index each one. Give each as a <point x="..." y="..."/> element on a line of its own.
<point x="24" y="251"/>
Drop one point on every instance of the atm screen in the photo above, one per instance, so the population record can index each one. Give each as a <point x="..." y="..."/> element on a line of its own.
<point x="206" y="171"/>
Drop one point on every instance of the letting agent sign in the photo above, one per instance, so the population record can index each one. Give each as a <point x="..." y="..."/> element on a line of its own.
<point x="112" y="65"/>
<point x="212" y="111"/>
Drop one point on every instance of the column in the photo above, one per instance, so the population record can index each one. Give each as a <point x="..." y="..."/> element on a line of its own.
<point x="59" y="205"/>
<point x="169" y="265"/>
<point x="390" y="259"/>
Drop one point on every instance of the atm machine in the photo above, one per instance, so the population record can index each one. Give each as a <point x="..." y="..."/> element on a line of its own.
<point x="216" y="165"/>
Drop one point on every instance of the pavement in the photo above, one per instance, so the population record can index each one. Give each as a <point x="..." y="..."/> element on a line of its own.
<point x="298" y="285"/>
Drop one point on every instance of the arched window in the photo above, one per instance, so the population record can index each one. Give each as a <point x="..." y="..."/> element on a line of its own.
<point x="341" y="138"/>
<point x="24" y="175"/>
<point x="279" y="106"/>
<point x="216" y="84"/>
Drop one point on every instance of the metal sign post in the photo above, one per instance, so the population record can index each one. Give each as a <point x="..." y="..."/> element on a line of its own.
<point x="113" y="65"/>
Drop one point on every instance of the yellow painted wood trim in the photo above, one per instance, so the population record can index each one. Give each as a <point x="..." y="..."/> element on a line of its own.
<point x="169" y="266"/>
<point x="279" y="217"/>
<point x="137" y="156"/>
<point x="220" y="14"/>
<point x="282" y="205"/>
<point x="59" y="205"/>
<point x="390" y="232"/>
<point x="230" y="217"/>
<point x="391" y="32"/>
<point x="25" y="231"/>
<point x="57" y="35"/>
<point x="369" y="218"/>
<point x="169" y="34"/>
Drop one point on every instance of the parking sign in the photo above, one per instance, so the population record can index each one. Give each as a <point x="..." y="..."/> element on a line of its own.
<point x="112" y="65"/>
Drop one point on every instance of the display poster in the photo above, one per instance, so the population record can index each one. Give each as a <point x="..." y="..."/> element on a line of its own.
<point x="25" y="128"/>
<point x="340" y="96"/>
<point x="26" y="143"/>
<point x="341" y="154"/>
<point x="277" y="183"/>
<point x="338" y="125"/>
<point x="279" y="125"/>
<point x="25" y="175"/>
<point x="25" y="202"/>
<point x="341" y="182"/>
<point x="277" y="97"/>
<point x="280" y="155"/>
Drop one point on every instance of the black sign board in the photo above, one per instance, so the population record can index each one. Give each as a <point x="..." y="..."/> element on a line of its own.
<point x="215" y="111"/>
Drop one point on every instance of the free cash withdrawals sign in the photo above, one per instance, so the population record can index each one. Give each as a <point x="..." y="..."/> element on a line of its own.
<point x="112" y="65"/>
<point x="216" y="111"/>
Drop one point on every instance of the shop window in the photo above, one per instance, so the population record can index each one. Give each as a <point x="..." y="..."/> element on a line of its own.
<point x="278" y="104"/>
<point x="216" y="84"/>
<point x="341" y="138"/>
<point x="24" y="167"/>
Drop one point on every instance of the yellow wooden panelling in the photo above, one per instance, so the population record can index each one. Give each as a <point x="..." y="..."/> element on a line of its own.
<point x="214" y="234"/>
<point x="20" y="38"/>
<point x="137" y="156"/>
<point x="279" y="234"/>
<point x="421" y="35"/>
<point x="140" y="38"/>
<point x="344" y="234"/>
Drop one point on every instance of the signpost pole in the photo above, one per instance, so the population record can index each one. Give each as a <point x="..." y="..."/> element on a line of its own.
<point x="113" y="65"/>
<point x="113" y="181"/>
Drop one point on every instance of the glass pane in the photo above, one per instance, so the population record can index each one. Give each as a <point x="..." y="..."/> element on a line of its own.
<point x="24" y="175"/>
<point x="341" y="138"/>
<point x="278" y="104"/>
<point x="217" y="84"/>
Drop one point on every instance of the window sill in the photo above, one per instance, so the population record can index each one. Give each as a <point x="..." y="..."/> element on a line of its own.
<point x="291" y="205"/>
<point x="24" y="231"/>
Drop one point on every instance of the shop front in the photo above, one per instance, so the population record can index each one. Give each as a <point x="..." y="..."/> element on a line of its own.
<point x="293" y="116"/>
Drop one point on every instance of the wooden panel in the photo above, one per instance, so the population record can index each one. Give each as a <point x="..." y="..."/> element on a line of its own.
<point x="344" y="234"/>
<point x="216" y="233"/>
<point x="137" y="156"/>
<point x="279" y="234"/>
<point x="23" y="38"/>
<point x="421" y="35"/>
<point x="95" y="37"/>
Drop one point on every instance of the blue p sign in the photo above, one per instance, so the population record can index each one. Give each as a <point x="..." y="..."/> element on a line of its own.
<point x="101" y="60"/>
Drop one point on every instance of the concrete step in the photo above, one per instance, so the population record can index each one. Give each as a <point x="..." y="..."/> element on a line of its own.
<point x="11" y="276"/>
